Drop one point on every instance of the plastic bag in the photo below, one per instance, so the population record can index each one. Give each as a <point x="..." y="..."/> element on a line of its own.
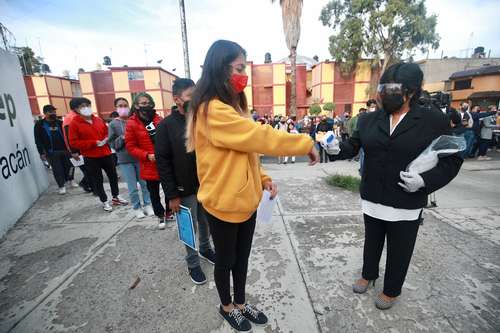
<point x="330" y="143"/>
<point x="443" y="146"/>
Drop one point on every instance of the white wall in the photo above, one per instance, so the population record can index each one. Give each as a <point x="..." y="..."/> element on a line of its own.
<point x="22" y="175"/>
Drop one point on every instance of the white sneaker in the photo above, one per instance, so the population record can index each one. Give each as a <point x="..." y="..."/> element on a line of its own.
<point x="161" y="224"/>
<point x="139" y="214"/>
<point x="106" y="206"/>
<point x="148" y="210"/>
<point x="62" y="190"/>
<point x="74" y="184"/>
<point x="487" y="158"/>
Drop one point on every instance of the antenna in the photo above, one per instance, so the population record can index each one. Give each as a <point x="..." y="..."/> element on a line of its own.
<point x="146" y="53"/>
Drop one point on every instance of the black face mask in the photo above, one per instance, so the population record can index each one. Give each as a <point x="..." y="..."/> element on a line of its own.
<point x="464" y="108"/>
<point x="52" y="117"/>
<point x="147" y="113"/>
<point x="392" y="102"/>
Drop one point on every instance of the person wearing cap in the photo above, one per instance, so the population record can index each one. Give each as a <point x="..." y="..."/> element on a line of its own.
<point x="49" y="140"/>
<point x="391" y="198"/>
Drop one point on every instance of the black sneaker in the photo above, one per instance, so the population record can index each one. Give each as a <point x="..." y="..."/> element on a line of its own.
<point x="209" y="256"/>
<point x="254" y="315"/>
<point x="236" y="319"/>
<point x="169" y="216"/>
<point x="197" y="275"/>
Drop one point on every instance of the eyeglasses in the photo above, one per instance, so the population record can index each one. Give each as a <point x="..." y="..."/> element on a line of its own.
<point x="390" y="88"/>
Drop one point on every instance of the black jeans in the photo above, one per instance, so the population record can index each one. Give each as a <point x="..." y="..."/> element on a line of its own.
<point x="94" y="168"/>
<point x="85" y="182"/>
<point x="484" y="144"/>
<point x="154" y="193"/>
<point x="401" y="237"/>
<point x="61" y="167"/>
<point x="233" y="243"/>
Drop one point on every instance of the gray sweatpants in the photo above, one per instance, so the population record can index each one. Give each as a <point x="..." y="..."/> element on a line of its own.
<point x="200" y="226"/>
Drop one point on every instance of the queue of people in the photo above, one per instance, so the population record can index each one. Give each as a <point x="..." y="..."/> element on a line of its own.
<point x="205" y="156"/>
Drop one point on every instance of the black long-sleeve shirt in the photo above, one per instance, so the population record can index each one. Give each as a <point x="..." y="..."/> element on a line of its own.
<point x="387" y="155"/>
<point x="177" y="167"/>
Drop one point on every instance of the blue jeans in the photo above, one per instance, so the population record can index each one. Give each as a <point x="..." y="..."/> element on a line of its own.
<point x="130" y="171"/>
<point x="470" y="139"/>
<point x="200" y="225"/>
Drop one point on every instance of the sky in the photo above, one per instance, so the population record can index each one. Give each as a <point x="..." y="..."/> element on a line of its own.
<point x="78" y="34"/>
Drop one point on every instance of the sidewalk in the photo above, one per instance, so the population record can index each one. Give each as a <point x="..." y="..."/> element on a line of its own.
<point x="67" y="266"/>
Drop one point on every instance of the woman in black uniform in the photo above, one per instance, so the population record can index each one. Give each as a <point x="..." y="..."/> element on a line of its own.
<point x="392" y="199"/>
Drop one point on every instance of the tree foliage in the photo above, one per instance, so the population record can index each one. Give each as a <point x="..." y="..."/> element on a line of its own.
<point x="329" y="106"/>
<point x="30" y="63"/>
<point x="378" y="29"/>
<point x="315" y="109"/>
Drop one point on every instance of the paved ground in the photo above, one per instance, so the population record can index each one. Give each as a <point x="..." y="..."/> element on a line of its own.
<point x="67" y="266"/>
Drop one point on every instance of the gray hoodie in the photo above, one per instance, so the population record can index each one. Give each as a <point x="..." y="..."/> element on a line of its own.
<point x="488" y="124"/>
<point x="116" y="132"/>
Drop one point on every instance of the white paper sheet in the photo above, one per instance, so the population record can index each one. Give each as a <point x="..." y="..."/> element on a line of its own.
<point x="266" y="207"/>
<point x="77" y="163"/>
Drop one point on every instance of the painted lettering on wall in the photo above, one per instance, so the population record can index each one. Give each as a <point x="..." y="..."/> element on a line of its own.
<point x="7" y="108"/>
<point x="14" y="162"/>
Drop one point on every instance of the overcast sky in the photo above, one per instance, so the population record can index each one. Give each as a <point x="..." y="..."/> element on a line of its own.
<point x="74" y="34"/>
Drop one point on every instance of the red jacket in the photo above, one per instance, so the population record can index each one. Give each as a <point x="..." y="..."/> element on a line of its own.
<point x="139" y="145"/>
<point x="84" y="136"/>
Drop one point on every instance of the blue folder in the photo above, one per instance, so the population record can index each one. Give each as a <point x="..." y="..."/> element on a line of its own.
<point x="185" y="227"/>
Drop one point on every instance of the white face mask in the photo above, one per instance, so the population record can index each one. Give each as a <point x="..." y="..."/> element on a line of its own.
<point x="87" y="111"/>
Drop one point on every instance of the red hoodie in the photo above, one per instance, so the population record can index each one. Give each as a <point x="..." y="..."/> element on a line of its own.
<point x="84" y="136"/>
<point x="139" y="145"/>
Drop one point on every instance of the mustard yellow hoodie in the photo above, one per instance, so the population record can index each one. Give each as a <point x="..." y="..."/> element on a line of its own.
<point x="229" y="170"/>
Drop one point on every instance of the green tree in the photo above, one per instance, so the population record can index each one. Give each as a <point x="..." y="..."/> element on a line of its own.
<point x="315" y="109"/>
<point x="30" y="63"/>
<point x="291" y="11"/>
<point x="329" y="106"/>
<point x="379" y="29"/>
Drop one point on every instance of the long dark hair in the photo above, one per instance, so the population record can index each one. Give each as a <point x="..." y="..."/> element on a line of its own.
<point x="215" y="83"/>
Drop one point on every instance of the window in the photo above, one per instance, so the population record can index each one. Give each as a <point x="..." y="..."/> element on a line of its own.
<point x="135" y="75"/>
<point x="463" y="84"/>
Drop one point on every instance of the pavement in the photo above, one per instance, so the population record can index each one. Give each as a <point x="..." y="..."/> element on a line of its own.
<point x="68" y="266"/>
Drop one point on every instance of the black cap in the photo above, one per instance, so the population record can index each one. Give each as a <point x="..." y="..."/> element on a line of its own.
<point x="48" y="108"/>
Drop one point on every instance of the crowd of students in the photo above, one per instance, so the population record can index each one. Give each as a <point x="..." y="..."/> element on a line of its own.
<point x="478" y="127"/>
<point x="205" y="156"/>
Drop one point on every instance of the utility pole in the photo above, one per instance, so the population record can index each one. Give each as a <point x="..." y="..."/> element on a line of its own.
<point x="184" y="39"/>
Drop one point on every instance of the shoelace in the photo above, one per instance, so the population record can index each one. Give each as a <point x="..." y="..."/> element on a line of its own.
<point x="236" y="314"/>
<point x="250" y="309"/>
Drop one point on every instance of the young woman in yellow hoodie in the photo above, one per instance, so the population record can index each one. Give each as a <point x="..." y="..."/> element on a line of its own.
<point x="227" y="143"/>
